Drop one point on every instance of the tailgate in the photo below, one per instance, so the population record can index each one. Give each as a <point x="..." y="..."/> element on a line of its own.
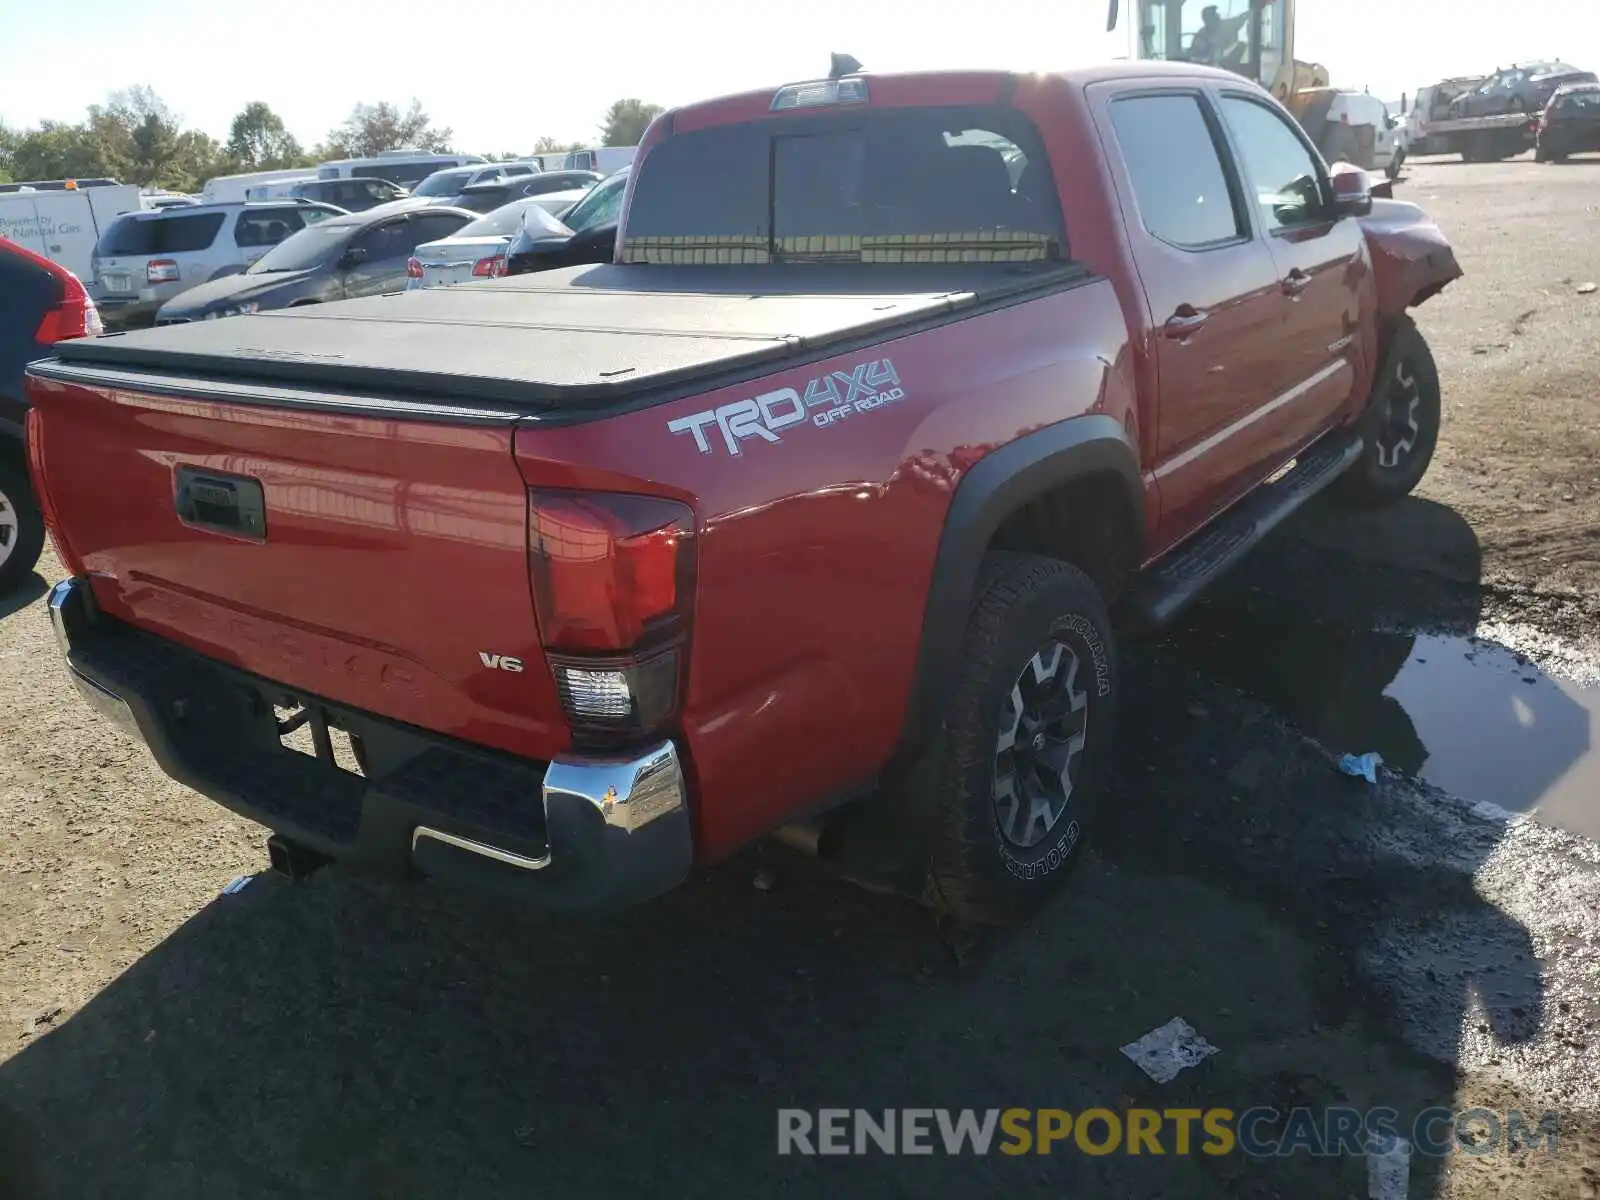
<point x="379" y="563"/>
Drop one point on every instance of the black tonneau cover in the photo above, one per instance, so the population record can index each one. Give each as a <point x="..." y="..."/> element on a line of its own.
<point x="571" y="337"/>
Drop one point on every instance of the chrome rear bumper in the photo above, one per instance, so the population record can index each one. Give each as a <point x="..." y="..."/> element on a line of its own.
<point x="579" y="832"/>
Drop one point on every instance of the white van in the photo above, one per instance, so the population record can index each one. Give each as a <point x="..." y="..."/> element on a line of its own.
<point x="607" y="160"/>
<point x="278" y="189"/>
<point x="235" y="189"/>
<point x="64" y="223"/>
<point x="404" y="167"/>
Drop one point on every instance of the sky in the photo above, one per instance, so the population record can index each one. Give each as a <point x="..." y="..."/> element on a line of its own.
<point x="508" y="71"/>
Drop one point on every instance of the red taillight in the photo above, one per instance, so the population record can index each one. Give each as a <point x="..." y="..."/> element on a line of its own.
<point x="413" y="269"/>
<point x="161" y="270"/>
<point x="74" y="317"/>
<point x="607" y="568"/>
<point x="489" y="268"/>
<point x="612" y="584"/>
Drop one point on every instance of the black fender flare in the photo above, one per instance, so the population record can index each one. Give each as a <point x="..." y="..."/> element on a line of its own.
<point x="1000" y="483"/>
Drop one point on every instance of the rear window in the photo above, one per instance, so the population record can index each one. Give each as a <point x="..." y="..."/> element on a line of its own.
<point x="406" y="174"/>
<point x="503" y="220"/>
<point x="444" y="183"/>
<point x="886" y="185"/>
<point x="489" y="199"/>
<point x="1584" y="102"/>
<point x="560" y="181"/>
<point x="180" y="233"/>
<point x="267" y="226"/>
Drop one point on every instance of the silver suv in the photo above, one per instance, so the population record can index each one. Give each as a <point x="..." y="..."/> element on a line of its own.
<point x="144" y="259"/>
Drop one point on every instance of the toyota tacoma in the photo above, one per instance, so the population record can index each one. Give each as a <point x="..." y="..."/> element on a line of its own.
<point x="818" y="492"/>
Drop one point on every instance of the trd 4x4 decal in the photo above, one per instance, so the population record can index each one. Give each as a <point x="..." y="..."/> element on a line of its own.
<point x="833" y="397"/>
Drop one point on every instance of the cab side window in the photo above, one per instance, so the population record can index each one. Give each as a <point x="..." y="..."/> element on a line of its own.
<point x="1179" y="182"/>
<point x="1285" y="178"/>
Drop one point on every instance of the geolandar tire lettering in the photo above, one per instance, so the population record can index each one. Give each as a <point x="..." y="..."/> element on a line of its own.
<point x="1005" y="794"/>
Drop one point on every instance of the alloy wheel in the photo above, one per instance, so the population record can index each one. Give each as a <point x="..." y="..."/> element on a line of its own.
<point x="1399" y="431"/>
<point x="1039" y="750"/>
<point x="10" y="528"/>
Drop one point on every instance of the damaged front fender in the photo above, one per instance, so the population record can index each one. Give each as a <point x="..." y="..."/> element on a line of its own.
<point x="1411" y="259"/>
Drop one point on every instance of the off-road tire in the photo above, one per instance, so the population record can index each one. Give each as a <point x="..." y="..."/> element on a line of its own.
<point x="21" y="526"/>
<point x="1025" y="606"/>
<point x="1400" y="426"/>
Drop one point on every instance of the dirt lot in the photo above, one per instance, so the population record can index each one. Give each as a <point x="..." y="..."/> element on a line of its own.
<point x="1339" y="944"/>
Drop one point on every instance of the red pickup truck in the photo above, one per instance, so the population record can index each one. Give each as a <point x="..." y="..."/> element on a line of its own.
<point x="818" y="491"/>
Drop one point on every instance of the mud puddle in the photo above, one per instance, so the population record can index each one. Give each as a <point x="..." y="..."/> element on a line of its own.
<point x="1463" y="713"/>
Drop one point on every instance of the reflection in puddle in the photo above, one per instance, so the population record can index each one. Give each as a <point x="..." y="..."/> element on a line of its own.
<point x="1462" y="713"/>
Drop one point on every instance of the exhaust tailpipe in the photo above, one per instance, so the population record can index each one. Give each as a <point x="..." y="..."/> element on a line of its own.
<point x="816" y="839"/>
<point x="292" y="860"/>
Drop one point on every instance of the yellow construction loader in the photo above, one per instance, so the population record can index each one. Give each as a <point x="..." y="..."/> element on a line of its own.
<point x="1254" y="38"/>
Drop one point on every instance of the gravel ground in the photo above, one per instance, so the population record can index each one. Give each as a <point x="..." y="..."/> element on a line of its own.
<point x="1340" y="944"/>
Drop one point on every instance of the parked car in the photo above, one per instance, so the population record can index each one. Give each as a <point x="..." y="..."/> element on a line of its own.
<point x="41" y="304"/>
<point x="1569" y="124"/>
<point x="591" y="232"/>
<point x="358" y="254"/>
<point x="477" y="250"/>
<point x="1524" y="89"/>
<point x="443" y="186"/>
<point x="352" y="195"/>
<point x="145" y="259"/>
<point x="557" y="190"/>
<point x="820" y="493"/>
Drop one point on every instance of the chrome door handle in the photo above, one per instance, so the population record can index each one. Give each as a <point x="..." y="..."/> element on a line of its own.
<point x="1296" y="282"/>
<point x="1186" y="321"/>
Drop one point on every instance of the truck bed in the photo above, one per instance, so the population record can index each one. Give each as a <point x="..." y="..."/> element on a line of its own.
<point x="578" y="337"/>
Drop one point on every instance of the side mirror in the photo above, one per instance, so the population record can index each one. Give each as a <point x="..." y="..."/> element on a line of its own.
<point x="1352" y="191"/>
<point x="352" y="257"/>
<point x="593" y="246"/>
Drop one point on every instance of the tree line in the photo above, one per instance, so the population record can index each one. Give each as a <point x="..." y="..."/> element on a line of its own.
<point x="136" y="138"/>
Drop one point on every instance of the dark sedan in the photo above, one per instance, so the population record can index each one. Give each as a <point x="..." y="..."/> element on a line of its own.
<point x="496" y="193"/>
<point x="1525" y="89"/>
<point x="362" y="254"/>
<point x="593" y="222"/>
<point x="1570" y="124"/>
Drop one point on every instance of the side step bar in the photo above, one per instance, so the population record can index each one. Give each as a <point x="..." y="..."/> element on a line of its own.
<point x="1165" y="588"/>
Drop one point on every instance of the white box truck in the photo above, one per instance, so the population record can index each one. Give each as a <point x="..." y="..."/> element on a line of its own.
<point x="234" y="189"/>
<point x="63" y="223"/>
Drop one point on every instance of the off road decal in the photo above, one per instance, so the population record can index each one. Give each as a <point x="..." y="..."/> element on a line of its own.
<point x="826" y="401"/>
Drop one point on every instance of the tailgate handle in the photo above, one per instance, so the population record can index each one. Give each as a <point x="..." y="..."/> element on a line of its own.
<point x="221" y="503"/>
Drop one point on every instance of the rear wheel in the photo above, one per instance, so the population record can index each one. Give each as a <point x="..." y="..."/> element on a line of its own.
<point x="1401" y="424"/>
<point x="21" y="526"/>
<point x="1006" y="793"/>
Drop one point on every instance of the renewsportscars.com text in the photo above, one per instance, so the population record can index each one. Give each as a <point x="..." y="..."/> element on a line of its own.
<point x="1258" y="1132"/>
